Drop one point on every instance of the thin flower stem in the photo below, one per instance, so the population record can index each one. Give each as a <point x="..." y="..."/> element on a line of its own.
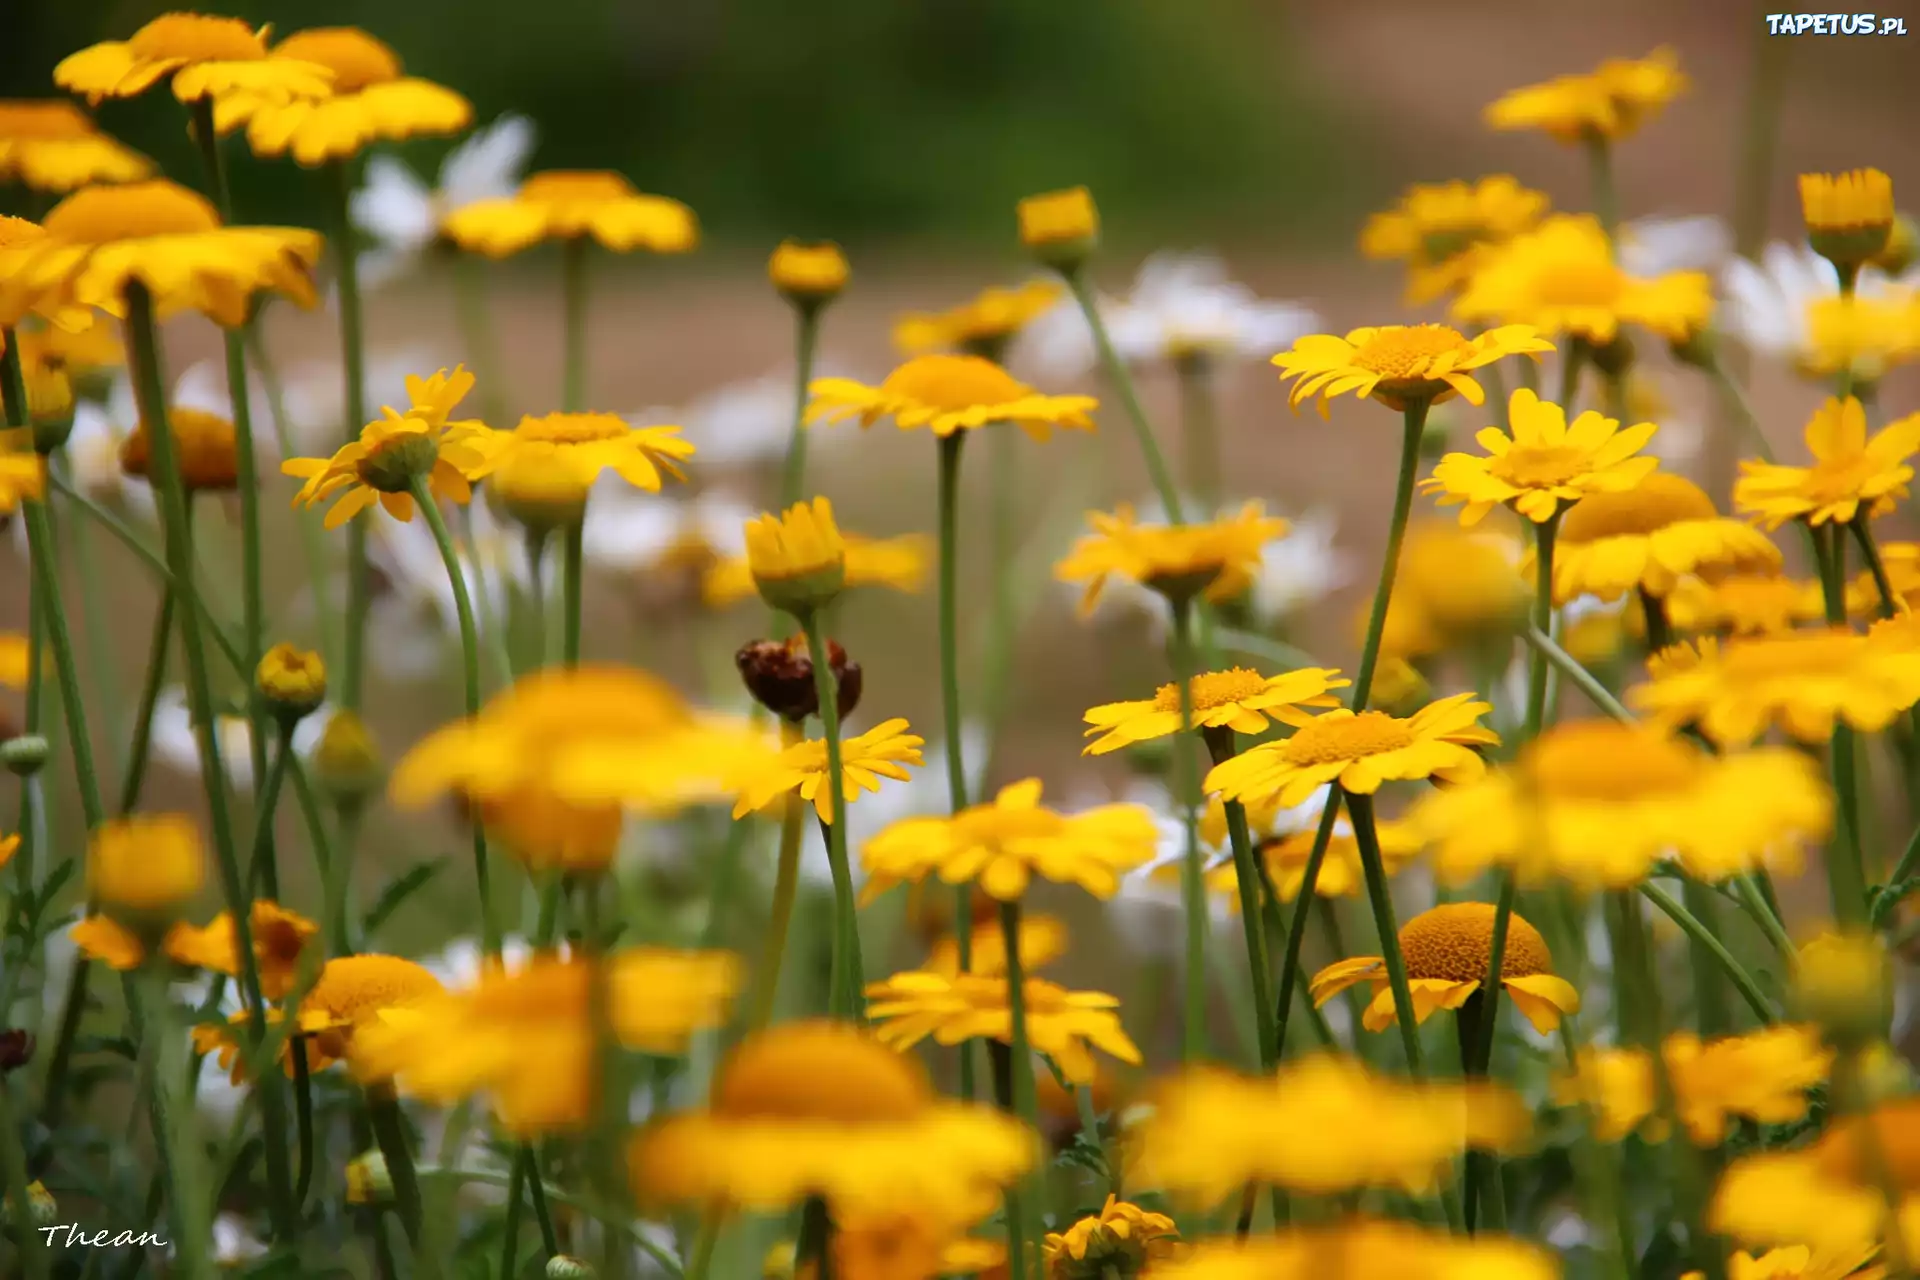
<point x="1381" y="899"/>
<point x="1193" y="872"/>
<point x="183" y="1159"/>
<point x="140" y="752"/>
<point x="302" y="1119"/>
<point x="390" y="1132"/>
<point x="1020" y="1054"/>
<point x="1575" y="674"/>
<point x="470" y="672"/>
<point x="1606" y="202"/>
<point x="850" y="991"/>
<point x="1116" y="371"/>
<point x="1247" y="877"/>
<point x="1846" y="874"/>
<point x="572" y="584"/>
<point x="477" y="336"/>
<point x="353" y="355"/>
<point x="1090" y="1128"/>
<point x="1706" y="944"/>
<point x="1870" y="553"/>
<point x="786" y="884"/>
<point x="1736" y="399"/>
<point x="1199" y="428"/>
<point x="793" y="472"/>
<point x="948" y="504"/>
<point x="573" y="291"/>
<point x="313" y="549"/>
<point x="30" y="1253"/>
<point x="510" y="1231"/>
<point x="1750" y="892"/>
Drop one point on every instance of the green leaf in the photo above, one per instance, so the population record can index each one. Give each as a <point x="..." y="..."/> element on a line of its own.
<point x="399" y="890"/>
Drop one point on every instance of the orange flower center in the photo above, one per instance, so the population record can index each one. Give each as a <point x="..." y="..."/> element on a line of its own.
<point x="1212" y="690"/>
<point x="1454" y="942"/>
<point x="1330" y="739"/>
<point x="196" y="37"/>
<point x="815" y="1072"/>
<point x="1406" y="352"/>
<point x="43" y="122"/>
<point x="355" y="58"/>
<point x="1660" y="500"/>
<point x="953" y="382"/>
<point x="102" y="215"/>
<point x="1601" y="760"/>
<point x="572" y="428"/>
<point x="575" y="186"/>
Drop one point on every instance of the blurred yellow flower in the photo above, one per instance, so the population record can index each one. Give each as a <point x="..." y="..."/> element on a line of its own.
<point x="948" y="393"/>
<point x="1825" y="1195"/>
<point x="1396" y="363"/>
<point x="1849" y="216"/>
<point x="1059" y="226"/>
<point x="1851" y="472"/>
<point x="203" y="55"/>
<point x="1648" y="538"/>
<point x="1216" y="558"/>
<point x="1364" y="1250"/>
<point x="1797" y="1262"/>
<point x="899" y="563"/>
<point x="23" y="478"/>
<point x="206" y="450"/>
<point x="1761" y="1076"/>
<point x="1844" y="982"/>
<point x="1443" y="231"/>
<point x="352" y="995"/>
<point x="547" y="834"/>
<point x="279" y="938"/>
<point x="147" y="863"/>
<point x="1001" y="844"/>
<point x="1862" y="337"/>
<point x="1447" y="950"/>
<point x="77" y="345"/>
<point x="1901" y="560"/>
<point x="1802" y="681"/>
<point x="393" y="451"/>
<point x="587" y="443"/>
<point x="1456" y="588"/>
<point x="1340" y="875"/>
<point x="1561" y="278"/>
<point x="954" y="1008"/>
<point x="1238" y="700"/>
<point x="1122" y="1239"/>
<point x="9" y="845"/>
<point x="808" y="272"/>
<point x="982" y="325"/>
<point x="1546" y="463"/>
<point x="883" y="751"/>
<point x="16" y="657"/>
<point x="1757" y="603"/>
<point x="53" y="146"/>
<point x="565" y="204"/>
<point x="291" y="681"/>
<point x="1607" y="103"/>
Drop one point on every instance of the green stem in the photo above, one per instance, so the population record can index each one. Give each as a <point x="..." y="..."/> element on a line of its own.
<point x="786" y="884"/>
<point x="948" y="503"/>
<point x="1606" y="203"/>
<point x="1116" y="371"/>
<point x="1090" y="1128"/>
<point x="850" y="999"/>
<point x="182" y="1156"/>
<point x="1870" y="553"/>
<point x="573" y="290"/>
<point x="477" y="335"/>
<point x="572" y="583"/>
<point x="1380" y="898"/>
<point x="390" y="1131"/>
<point x="1193" y="872"/>
<point x="470" y="671"/>
<point x="313" y="549"/>
<point x="353" y="362"/>
<point x="263" y="871"/>
<point x="1846" y="875"/>
<point x="141" y="751"/>
<point x="1414" y="421"/>
<point x="1706" y="944"/>
<point x="1570" y="670"/>
<point x="793" y="473"/>
<point x="1020" y="1053"/>
<point x="31" y="1253"/>
<point x="302" y="1119"/>
<point x="1252" y="886"/>
<point x="510" y="1232"/>
<point x="1200" y="428"/>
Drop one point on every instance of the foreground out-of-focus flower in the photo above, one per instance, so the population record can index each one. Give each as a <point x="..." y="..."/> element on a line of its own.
<point x="1447" y="951"/>
<point x="1238" y="700"/>
<point x="1121" y="1240"/>
<point x="199" y="55"/>
<point x="1648" y="538"/>
<point x="808" y="273"/>
<point x="1606" y="104"/>
<point x="53" y="146"/>
<point x="1060" y="228"/>
<point x="1758" y="603"/>
<point x="981" y="326"/>
<point x="1443" y="231"/>
<point x="1849" y="215"/>
<point x="1802" y="681"/>
<point x="899" y="563"/>
<point x="352" y="994"/>
<point x="1544" y="464"/>
<point x="883" y="751"/>
<point x="1364" y="1250"/>
<point x="955" y="1008"/>
<point x="572" y="205"/>
<point x="1043" y="939"/>
<point x="402" y="214"/>
<point x="1214" y="558"/>
<point x="1798" y="1262"/>
<point x="1771" y="305"/>
<point x="146" y="865"/>
<point x="279" y="938"/>
<point x="1562" y="279"/>
<point x="1830" y="1195"/>
<point x="1851" y="473"/>
<point x="821" y="1108"/>
<point x="394" y="451"/>
<point x="948" y="393"/>
<point x="1761" y="1076"/>
<point x="1398" y="364"/>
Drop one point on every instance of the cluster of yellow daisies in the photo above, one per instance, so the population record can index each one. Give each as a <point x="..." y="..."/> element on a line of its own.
<point x="659" y="1108"/>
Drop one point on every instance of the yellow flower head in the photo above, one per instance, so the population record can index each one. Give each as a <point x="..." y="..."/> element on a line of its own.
<point x="9" y="845"/>
<point x="1060" y="227"/>
<point x="1798" y="1262"/>
<point x="1214" y="557"/>
<point x="883" y="751"/>
<point x="1545" y="463"/>
<point x="947" y="393"/>
<point x="548" y="834"/>
<point x="53" y="146"/>
<point x="371" y="102"/>
<point x="1849" y="215"/>
<point x="1043" y="939"/>
<point x="16" y="658"/>
<point x="1399" y="363"/>
<point x="1827" y="1195"/>
<point x="205" y="450"/>
<point x="1862" y="336"/>
<point x="566" y="204"/>
<point x="100" y="241"/>
<point x="1844" y="981"/>
<point x="1648" y="538"/>
<point x="808" y="272"/>
<point x="1360" y="752"/>
<point x="23" y="478"/>
<point x="822" y="1108"/>
<point x="1597" y="804"/>
<point x="897" y="563"/>
<point x="82" y="344"/>
<point x="1762" y="1076"/>
<point x="1561" y="278"/>
<point x="352" y="995"/>
<point x="527" y="1037"/>
<point x="1607" y="103"/>
<point x="292" y="681"/>
<point x="798" y="558"/>
<point x="1363" y="1250"/>
<point x="982" y="325"/>
<point x="1850" y="472"/>
<point x="955" y="1008"/>
<point x="1443" y="231"/>
<point x="1238" y="700"/>
<point x="1322" y="1125"/>
<point x="1802" y="681"/>
<point x="147" y="864"/>
<point x="1757" y="603"/>
<point x="204" y="55"/>
<point x="1455" y="587"/>
<point x="279" y="937"/>
<point x="391" y="453"/>
<point x="1001" y="844"/>
<point x="586" y="444"/>
<point x="1122" y="1239"/>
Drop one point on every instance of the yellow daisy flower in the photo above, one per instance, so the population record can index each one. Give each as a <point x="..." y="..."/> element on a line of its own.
<point x="201" y="54"/>
<point x="1442" y="231"/>
<point x="1849" y="215"/>
<point x="1851" y="471"/>
<point x="1043" y="939"/>
<point x="279" y="937"/>
<point x="382" y="464"/>
<point x="526" y="1037"/>
<point x="1363" y="1249"/>
<point x="1397" y="363"/>
<point x="146" y="864"/>
<point x="1863" y="337"/>
<point x="955" y="1008"/>
<point x="53" y="146"/>
<point x="1236" y="700"/>
<point x="947" y="393"/>
<point x="353" y="994"/>
<point x="588" y="444"/>
<point x="1341" y="875"/>
<point x="1001" y="844"/>
<point x="1608" y="103"/>
<point x="1561" y="278"/>
<point x="206" y="450"/>
<point x="1648" y="538"/>
<point x="982" y="325"/>
<point x="1901" y="560"/>
<point x="99" y="240"/>
<point x="23" y="478"/>
<point x="883" y="751"/>
<point x="1122" y="1239"/>
<point x="797" y="557"/>
<point x="897" y="563"/>
<point x="1216" y="558"/>
<point x="371" y="102"/>
<point x="1758" y="603"/>
<point x="821" y="1108"/>
<point x="1210" y="1131"/>
<point x="1545" y="463"/>
<point x="1596" y="803"/>
<point x="565" y="204"/>
<point x="1456" y="588"/>
<point x="1802" y="681"/>
<point x="1360" y="752"/>
<point x="1761" y="1076"/>
<point x="1447" y="950"/>
<point x="1824" y="1196"/>
<point x="1798" y="1262"/>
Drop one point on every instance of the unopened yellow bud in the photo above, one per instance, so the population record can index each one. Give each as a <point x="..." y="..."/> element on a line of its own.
<point x="1849" y="216"/>
<point x="346" y="762"/>
<point x="293" y="682"/>
<point x="808" y="274"/>
<point x="798" y="558"/>
<point x="1060" y="227"/>
<point x="1841" y="981"/>
<point x="145" y="867"/>
<point x="539" y="489"/>
<point x="368" y="1181"/>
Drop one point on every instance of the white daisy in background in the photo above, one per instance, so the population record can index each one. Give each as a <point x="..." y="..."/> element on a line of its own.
<point x="403" y="215"/>
<point x="1766" y="302"/>
<point x="413" y="621"/>
<point x="313" y="393"/>
<point x="176" y="746"/>
<point x="234" y="1244"/>
<point x="1655" y="246"/>
<point x="93" y="449"/>
<point x="628" y="531"/>
<point x="460" y="963"/>
<point x="1147" y="909"/>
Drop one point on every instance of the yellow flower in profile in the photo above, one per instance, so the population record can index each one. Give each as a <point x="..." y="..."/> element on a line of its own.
<point x="1844" y="982"/>
<point x="1002" y="843"/>
<point x="1442" y="231"/>
<point x="9" y="845"/>
<point x="1757" y="603"/>
<point x="352" y="995"/>
<point x="1546" y="463"/>
<point x="567" y="204"/>
<point x="1851" y="472"/>
<point x="1215" y="558"/>
<point x="1238" y="700"/>
<point x="53" y="146"/>
<point x="883" y="751"/>
<point x="23" y="478"/>
<point x="1803" y="681"/>
<point x="897" y="563"/>
<point x="393" y="451"/>
<point x="1360" y="752"/>
<point x="1798" y="1262"/>
<point x="291" y="681"/>
<point x="1043" y="939"/>
<point x="1607" y="103"/>
<point x="1861" y="336"/>
<point x="1122" y="1239"/>
<point x="1364" y="1250"/>
<point x="279" y="937"/>
<point x="1447" y="951"/>
<point x="526" y="1037"/>
<point x="822" y="1108"/>
<point x="1762" y="1076"/>
<point x="955" y="1008"/>
<point x="1399" y="363"/>
<point x="1648" y="538"/>
<point x="146" y="864"/>
<point x="1322" y="1125"/>
<point x="1826" y="1196"/>
<point x="1849" y="215"/>
<point x="101" y="240"/>
<point x="797" y="558"/>
<point x="201" y="54"/>
<point x="1060" y="226"/>
<point x="588" y="444"/>
<point x="371" y="102"/>
<point x="808" y="272"/>
<point x="947" y="393"/>
<point x="982" y="325"/>
<point x="1597" y="804"/>
<point x="206" y="450"/>
<point x="1562" y="279"/>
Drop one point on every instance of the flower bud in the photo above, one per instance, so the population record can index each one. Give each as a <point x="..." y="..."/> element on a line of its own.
<point x="144" y="868"/>
<point x="42" y="1209"/>
<point x="50" y="406"/>
<point x="779" y="675"/>
<point x="204" y="447"/>
<point x="368" y="1181"/>
<point x="1061" y="228"/>
<point x="25" y="755"/>
<point x="564" y="1266"/>
<point x="16" y="1049"/>
<point x="391" y="465"/>
<point x="798" y="558"/>
<point x="292" y="682"/>
<point x="1842" y="982"/>
<point x="1849" y="216"/>
<point x="1903" y="245"/>
<point x="808" y="275"/>
<point x="346" y="761"/>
